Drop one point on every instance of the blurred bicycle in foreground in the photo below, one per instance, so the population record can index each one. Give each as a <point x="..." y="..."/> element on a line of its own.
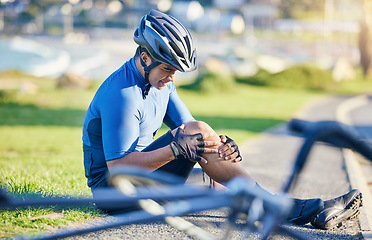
<point x="164" y="196"/>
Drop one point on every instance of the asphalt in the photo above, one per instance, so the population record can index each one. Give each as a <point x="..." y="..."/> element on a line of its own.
<point x="356" y="111"/>
<point x="329" y="171"/>
<point x="269" y="158"/>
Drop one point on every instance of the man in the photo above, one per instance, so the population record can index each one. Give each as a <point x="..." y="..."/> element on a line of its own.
<point x="133" y="102"/>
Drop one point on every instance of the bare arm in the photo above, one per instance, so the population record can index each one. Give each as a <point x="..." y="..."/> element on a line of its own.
<point x="151" y="160"/>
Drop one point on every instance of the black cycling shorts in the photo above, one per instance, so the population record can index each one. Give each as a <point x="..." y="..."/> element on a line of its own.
<point x="181" y="168"/>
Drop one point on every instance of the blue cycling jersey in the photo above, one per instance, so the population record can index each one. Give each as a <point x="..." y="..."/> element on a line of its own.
<point x="120" y="119"/>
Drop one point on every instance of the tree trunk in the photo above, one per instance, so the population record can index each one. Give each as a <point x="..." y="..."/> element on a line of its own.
<point x="365" y="39"/>
<point x="39" y="21"/>
<point x="1" y="19"/>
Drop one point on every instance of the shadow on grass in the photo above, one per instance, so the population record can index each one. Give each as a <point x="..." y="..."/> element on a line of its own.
<point x="14" y="114"/>
<point x="236" y="123"/>
<point x="28" y="199"/>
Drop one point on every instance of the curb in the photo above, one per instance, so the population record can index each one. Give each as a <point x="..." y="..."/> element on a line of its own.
<point x="353" y="169"/>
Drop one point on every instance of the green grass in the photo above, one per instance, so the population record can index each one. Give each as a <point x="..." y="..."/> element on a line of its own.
<point x="40" y="153"/>
<point x="246" y="110"/>
<point x="41" y="149"/>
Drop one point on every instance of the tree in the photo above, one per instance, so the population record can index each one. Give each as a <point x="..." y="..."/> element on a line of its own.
<point x="365" y="39"/>
<point x="17" y="13"/>
<point x="298" y="8"/>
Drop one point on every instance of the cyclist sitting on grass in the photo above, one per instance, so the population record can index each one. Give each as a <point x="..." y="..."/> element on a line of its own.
<point x="133" y="102"/>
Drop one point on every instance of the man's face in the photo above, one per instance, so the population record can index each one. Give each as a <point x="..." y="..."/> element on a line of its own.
<point x="160" y="76"/>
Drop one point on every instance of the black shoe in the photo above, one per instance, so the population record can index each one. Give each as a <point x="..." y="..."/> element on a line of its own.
<point x="305" y="211"/>
<point x="338" y="210"/>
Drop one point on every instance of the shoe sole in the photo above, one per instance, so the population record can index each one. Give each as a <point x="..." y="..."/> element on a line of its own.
<point x="352" y="210"/>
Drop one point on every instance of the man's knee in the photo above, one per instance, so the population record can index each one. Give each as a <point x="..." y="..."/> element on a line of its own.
<point x="194" y="127"/>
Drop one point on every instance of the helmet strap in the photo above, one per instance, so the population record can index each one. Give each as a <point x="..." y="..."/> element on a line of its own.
<point x="147" y="70"/>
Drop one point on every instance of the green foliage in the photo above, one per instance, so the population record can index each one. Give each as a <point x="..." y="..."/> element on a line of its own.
<point x="6" y="95"/>
<point x="360" y="85"/>
<point x="301" y="9"/>
<point x="303" y="77"/>
<point x="261" y="78"/>
<point x="211" y="82"/>
<point x="297" y="77"/>
<point x="15" y="75"/>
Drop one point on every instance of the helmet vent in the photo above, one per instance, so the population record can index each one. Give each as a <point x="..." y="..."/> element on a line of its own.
<point x="176" y="49"/>
<point x="172" y="31"/>
<point x="188" y="44"/>
<point x="184" y="62"/>
<point x="143" y="24"/>
<point x="163" y="52"/>
<point x="159" y="30"/>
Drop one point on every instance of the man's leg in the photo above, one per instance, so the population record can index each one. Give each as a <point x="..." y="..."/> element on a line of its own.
<point x="217" y="168"/>
<point x="223" y="171"/>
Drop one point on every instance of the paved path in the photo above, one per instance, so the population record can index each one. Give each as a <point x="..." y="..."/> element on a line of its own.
<point x="269" y="158"/>
<point x="357" y="112"/>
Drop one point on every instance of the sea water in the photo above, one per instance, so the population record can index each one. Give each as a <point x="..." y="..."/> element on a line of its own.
<point x="32" y="57"/>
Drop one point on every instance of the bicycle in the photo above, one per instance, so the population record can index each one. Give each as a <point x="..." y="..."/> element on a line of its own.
<point x="264" y="213"/>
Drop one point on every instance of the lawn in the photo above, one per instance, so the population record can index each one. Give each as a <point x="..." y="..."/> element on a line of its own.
<point x="41" y="149"/>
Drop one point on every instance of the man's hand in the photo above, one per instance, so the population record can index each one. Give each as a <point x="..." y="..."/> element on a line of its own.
<point x="229" y="150"/>
<point x="190" y="147"/>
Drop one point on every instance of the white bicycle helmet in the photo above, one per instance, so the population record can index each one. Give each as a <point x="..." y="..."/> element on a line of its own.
<point x="167" y="41"/>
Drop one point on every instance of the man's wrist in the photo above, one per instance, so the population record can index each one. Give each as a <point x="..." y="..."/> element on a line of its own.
<point x="176" y="150"/>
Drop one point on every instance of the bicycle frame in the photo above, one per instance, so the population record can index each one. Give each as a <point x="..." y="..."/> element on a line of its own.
<point x="331" y="132"/>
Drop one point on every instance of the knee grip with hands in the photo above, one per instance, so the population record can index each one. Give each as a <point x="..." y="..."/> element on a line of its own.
<point x="186" y="146"/>
<point x="233" y="145"/>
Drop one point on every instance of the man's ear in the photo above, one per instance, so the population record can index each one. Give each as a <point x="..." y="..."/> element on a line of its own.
<point x="146" y="58"/>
